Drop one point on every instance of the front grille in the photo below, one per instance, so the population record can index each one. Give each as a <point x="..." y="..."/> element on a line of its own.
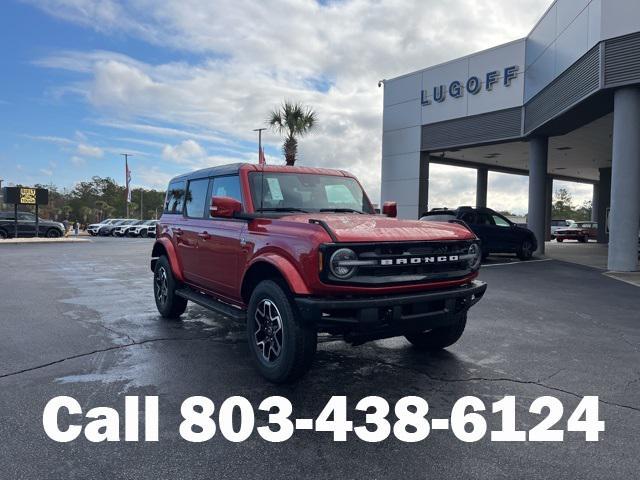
<point x="399" y="263"/>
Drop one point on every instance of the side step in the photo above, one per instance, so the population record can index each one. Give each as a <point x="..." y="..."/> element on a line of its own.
<point x="212" y="304"/>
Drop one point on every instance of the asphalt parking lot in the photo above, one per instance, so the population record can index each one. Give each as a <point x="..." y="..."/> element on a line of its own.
<point x="80" y="320"/>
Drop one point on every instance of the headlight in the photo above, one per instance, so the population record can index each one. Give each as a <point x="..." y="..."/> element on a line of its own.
<point x="339" y="263"/>
<point x="475" y="256"/>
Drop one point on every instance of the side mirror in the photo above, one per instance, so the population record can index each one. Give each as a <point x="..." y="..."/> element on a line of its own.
<point x="224" y="207"/>
<point x="390" y="209"/>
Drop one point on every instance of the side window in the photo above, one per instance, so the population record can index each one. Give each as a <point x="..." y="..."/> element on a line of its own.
<point x="500" y="222"/>
<point x="175" y="198"/>
<point x="228" y="186"/>
<point x="484" y="219"/>
<point x="196" y="197"/>
<point x="26" y="217"/>
<point x="469" y="218"/>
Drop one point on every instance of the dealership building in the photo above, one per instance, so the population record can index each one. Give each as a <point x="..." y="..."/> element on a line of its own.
<point x="561" y="104"/>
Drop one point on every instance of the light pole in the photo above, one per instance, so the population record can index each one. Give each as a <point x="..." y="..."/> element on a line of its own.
<point x="1" y="194"/>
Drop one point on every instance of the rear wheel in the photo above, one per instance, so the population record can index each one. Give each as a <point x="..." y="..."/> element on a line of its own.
<point x="582" y="239"/>
<point x="165" y="285"/>
<point x="439" y="338"/>
<point x="3" y="234"/>
<point x="53" y="233"/>
<point x="282" y="347"/>
<point x="525" y="252"/>
<point x="559" y="240"/>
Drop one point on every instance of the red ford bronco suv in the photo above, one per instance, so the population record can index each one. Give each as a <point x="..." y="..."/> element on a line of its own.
<point x="296" y="251"/>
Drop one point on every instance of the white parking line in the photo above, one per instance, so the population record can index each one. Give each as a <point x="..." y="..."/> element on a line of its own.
<point x="516" y="263"/>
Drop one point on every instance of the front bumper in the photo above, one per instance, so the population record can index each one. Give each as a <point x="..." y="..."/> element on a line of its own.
<point x="370" y="317"/>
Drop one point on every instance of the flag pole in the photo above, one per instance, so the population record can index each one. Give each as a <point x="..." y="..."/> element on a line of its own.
<point x="127" y="178"/>
<point x="260" y="154"/>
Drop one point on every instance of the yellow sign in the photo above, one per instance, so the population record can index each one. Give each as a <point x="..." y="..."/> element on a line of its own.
<point x="28" y="196"/>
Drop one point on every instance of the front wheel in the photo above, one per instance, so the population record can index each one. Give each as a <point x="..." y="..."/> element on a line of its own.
<point x="53" y="233"/>
<point x="165" y="285"/>
<point x="439" y="338"/>
<point x="282" y="347"/>
<point x="525" y="252"/>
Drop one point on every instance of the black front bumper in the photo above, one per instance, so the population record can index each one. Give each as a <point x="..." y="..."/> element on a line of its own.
<point x="382" y="316"/>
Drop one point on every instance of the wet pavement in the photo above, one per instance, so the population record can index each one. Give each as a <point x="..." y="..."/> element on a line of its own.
<point x="79" y="320"/>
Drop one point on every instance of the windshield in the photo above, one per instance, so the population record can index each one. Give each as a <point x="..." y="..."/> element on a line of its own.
<point x="307" y="192"/>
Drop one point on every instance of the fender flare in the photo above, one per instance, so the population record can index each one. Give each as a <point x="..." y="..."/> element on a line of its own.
<point x="168" y="247"/>
<point x="289" y="272"/>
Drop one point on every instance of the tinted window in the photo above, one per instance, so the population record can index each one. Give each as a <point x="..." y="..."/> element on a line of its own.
<point x="196" y="197"/>
<point x="26" y="217"/>
<point x="484" y="219"/>
<point x="469" y="218"/>
<point x="439" y="217"/>
<point x="175" y="198"/>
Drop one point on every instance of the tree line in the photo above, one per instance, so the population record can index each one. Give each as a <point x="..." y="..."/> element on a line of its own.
<point x="97" y="199"/>
<point x="563" y="207"/>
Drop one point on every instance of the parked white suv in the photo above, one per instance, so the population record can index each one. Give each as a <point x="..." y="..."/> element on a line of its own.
<point x="94" y="227"/>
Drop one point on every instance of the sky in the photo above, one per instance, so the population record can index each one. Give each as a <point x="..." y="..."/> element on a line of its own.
<point x="181" y="84"/>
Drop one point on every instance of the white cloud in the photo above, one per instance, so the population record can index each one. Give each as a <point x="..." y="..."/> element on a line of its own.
<point x="47" y="172"/>
<point x="252" y="55"/>
<point x="85" y="150"/>
<point x="78" y="161"/>
<point x="185" y="152"/>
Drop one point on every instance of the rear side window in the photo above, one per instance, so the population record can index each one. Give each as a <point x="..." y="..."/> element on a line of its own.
<point x="196" y="197"/>
<point x="175" y="198"/>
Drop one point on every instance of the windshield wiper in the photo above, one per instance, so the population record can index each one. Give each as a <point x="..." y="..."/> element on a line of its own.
<point x="281" y="209"/>
<point x="341" y="210"/>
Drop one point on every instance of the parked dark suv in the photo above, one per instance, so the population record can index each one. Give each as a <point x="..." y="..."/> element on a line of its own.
<point x="27" y="226"/>
<point x="497" y="233"/>
<point x="294" y="251"/>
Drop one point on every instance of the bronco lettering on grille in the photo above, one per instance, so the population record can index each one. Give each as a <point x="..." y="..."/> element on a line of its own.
<point x="419" y="260"/>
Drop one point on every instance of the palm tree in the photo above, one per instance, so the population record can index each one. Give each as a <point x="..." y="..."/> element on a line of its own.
<point x="292" y="120"/>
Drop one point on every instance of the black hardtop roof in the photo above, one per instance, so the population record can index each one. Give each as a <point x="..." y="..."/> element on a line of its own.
<point x="234" y="168"/>
<point x="229" y="169"/>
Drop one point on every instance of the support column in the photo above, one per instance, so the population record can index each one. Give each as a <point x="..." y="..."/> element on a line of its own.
<point x="625" y="181"/>
<point x="423" y="190"/>
<point x="538" y="154"/>
<point x="594" y="202"/>
<point x="482" y="181"/>
<point x="548" y="208"/>
<point x="604" y="202"/>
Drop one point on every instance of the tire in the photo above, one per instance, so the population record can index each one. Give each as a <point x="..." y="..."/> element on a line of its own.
<point x="274" y="326"/>
<point x="525" y="251"/>
<point x="3" y="234"/>
<point x="582" y="240"/>
<point x="439" y="338"/>
<point x="559" y="240"/>
<point x="165" y="285"/>
<point x="143" y="233"/>
<point x="53" y="233"/>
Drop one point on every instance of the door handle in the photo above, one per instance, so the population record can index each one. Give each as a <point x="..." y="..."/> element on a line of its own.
<point x="204" y="235"/>
<point x="177" y="231"/>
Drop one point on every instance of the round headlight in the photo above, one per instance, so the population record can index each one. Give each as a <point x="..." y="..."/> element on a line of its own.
<point x="475" y="255"/>
<point x="338" y="264"/>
